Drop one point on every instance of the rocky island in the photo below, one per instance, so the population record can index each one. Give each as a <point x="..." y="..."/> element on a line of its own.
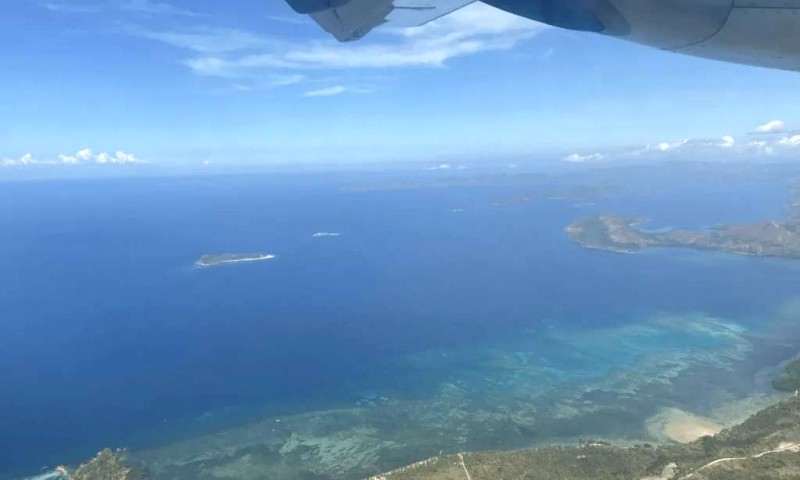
<point x="620" y="234"/>
<point x="214" y="260"/>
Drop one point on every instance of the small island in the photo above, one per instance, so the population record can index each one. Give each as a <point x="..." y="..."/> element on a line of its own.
<point x="214" y="260"/>
<point x="620" y="234"/>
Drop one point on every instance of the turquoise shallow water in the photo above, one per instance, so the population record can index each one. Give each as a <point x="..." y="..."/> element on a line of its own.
<point x="441" y="319"/>
<point x="557" y="385"/>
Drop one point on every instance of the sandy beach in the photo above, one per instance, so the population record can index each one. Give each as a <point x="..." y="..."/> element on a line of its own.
<point x="681" y="426"/>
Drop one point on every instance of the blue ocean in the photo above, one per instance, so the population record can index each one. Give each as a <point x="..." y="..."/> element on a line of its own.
<point x="449" y="296"/>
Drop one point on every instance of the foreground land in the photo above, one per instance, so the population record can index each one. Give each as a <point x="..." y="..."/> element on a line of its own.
<point x="766" y="446"/>
<point x="619" y="234"/>
<point x="106" y="465"/>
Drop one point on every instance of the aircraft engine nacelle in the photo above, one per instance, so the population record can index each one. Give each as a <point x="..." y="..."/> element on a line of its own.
<point x="756" y="32"/>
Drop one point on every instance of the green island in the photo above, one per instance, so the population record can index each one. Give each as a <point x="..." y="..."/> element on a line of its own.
<point x="619" y="234"/>
<point x="214" y="260"/>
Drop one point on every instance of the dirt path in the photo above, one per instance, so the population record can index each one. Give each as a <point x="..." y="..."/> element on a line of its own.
<point x="791" y="446"/>
<point x="464" y="466"/>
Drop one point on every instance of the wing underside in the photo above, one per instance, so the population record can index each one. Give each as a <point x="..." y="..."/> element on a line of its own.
<point x="351" y="20"/>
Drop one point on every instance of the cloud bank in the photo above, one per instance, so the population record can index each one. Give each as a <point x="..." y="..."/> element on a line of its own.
<point x="772" y="145"/>
<point x="237" y="54"/>
<point x="579" y="158"/>
<point x="145" y="7"/>
<point x="81" y="157"/>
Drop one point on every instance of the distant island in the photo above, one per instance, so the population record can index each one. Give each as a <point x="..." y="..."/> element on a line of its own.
<point x="214" y="260"/>
<point x="619" y="234"/>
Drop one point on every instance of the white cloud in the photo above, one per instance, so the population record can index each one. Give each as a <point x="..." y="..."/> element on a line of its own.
<point x="26" y="159"/>
<point x="578" y="158"/>
<point x="234" y="53"/>
<point x="84" y="156"/>
<point x="663" y="147"/>
<point x="146" y="7"/>
<point x="761" y="147"/>
<point x="442" y="166"/>
<point x="684" y="145"/>
<point x="268" y="82"/>
<point x="207" y="40"/>
<point x="122" y="157"/>
<point x="284" y="80"/>
<point x="73" y="7"/>
<point x="106" y="158"/>
<point x="774" y="126"/>
<point x="698" y="148"/>
<point x="153" y="8"/>
<point x="79" y="157"/>
<point x="326" y="92"/>
<point x="792" y="141"/>
<point x="727" y="141"/>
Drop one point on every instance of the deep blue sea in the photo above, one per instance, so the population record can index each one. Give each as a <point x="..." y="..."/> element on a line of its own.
<point x="110" y="336"/>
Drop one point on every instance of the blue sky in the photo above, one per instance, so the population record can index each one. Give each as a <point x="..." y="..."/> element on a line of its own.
<point x="251" y="83"/>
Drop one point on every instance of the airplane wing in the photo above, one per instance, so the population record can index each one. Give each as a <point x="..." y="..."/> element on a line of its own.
<point x="351" y="20"/>
<point x="754" y="32"/>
